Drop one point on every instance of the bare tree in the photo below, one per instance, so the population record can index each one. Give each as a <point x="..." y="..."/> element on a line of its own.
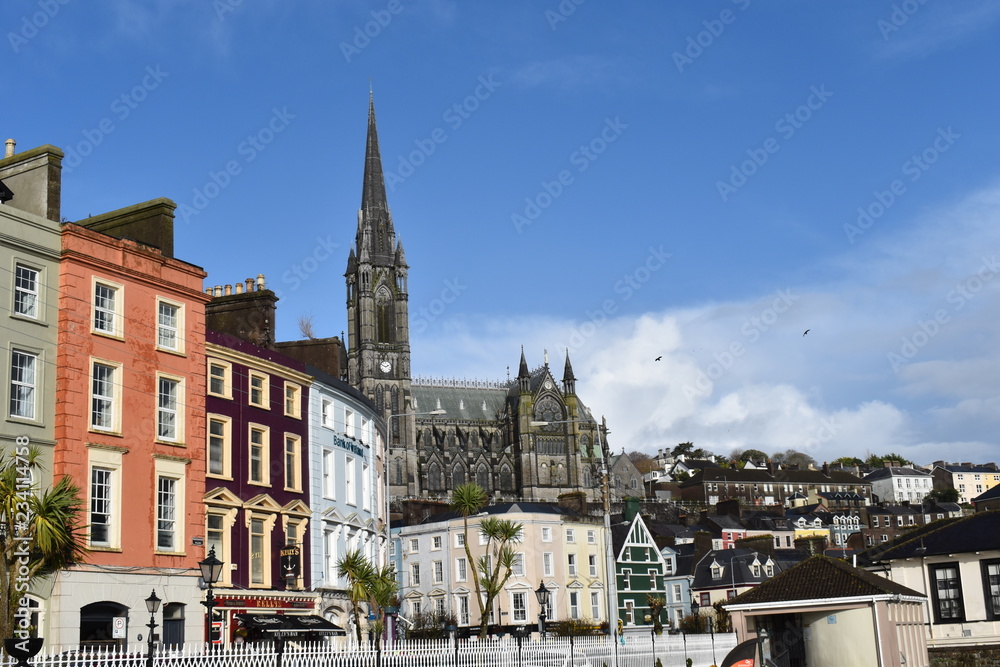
<point x="306" y="326"/>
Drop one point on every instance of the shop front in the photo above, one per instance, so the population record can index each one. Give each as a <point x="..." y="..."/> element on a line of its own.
<point x="228" y="628"/>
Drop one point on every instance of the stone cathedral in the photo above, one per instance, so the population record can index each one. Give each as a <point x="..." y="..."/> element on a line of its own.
<point x="530" y="438"/>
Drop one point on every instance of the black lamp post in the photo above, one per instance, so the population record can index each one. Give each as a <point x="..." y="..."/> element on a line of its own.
<point x="211" y="570"/>
<point x="542" y="593"/>
<point x="152" y="606"/>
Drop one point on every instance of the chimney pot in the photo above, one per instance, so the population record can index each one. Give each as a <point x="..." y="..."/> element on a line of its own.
<point x="260" y="281"/>
<point x="249" y="282"/>
<point x="886" y="464"/>
<point x="208" y="290"/>
<point x="239" y="288"/>
<point x="9" y="151"/>
<point x="228" y="290"/>
<point x="218" y="290"/>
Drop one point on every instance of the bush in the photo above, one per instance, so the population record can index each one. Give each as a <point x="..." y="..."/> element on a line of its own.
<point x="575" y="627"/>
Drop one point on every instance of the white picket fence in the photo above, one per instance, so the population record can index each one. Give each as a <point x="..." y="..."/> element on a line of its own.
<point x="600" y="651"/>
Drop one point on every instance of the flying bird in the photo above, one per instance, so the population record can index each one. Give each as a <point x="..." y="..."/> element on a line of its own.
<point x="806" y="331"/>
<point x="658" y="358"/>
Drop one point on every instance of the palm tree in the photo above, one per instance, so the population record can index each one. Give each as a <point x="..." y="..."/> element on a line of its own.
<point x="496" y="564"/>
<point x="467" y="500"/>
<point x="359" y="572"/>
<point x="40" y="528"/>
<point x="382" y="590"/>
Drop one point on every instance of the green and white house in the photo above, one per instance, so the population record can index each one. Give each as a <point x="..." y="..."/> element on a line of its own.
<point x="640" y="569"/>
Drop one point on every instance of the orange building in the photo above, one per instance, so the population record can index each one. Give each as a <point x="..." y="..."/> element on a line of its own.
<point x="130" y="425"/>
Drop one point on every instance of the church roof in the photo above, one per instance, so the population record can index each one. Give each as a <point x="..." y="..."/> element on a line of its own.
<point x="461" y="403"/>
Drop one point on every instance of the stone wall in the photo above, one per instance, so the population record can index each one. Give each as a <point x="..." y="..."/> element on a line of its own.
<point x="972" y="656"/>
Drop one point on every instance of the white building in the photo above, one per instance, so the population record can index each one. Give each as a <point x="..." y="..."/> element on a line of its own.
<point x="894" y="484"/>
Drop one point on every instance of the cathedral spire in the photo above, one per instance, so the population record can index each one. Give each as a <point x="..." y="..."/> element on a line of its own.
<point x="373" y="190"/>
<point x="569" y="381"/>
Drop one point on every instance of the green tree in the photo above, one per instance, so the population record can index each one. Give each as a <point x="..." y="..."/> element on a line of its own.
<point x="791" y="457"/>
<point x="468" y="499"/>
<point x="949" y="495"/>
<point x="745" y="455"/>
<point x="876" y="461"/>
<point x="40" y="527"/>
<point x="849" y="461"/>
<point x="360" y="573"/>
<point x="496" y="564"/>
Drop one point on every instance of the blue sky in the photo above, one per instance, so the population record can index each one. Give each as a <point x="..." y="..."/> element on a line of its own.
<point x="700" y="182"/>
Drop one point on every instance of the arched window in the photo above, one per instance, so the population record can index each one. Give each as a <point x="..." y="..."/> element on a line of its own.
<point x="506" y="479"/>
<point x="457" y="476"/>
<point x="434" y="477"/>
<point x="96" y="622"/>
<point x="397" y="467"/>
<point x="483" y="477"/>
<point x="384" y="317"/>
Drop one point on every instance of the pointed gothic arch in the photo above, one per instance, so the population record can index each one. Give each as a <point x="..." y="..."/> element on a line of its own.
<point x="457" y="475"/>
<point x="483" y="476"/>
<point x="506" y="478"/>
<point x="434" y="481"/>
<point x="385" y="317"/>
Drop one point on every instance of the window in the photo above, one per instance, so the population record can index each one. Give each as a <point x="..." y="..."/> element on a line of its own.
<point x="755" y="569"/>
<point x="25" y="291"/>
<point x="166" y="514"/>
<point x="220" y="379"/>
<point x="571" y="565"/>
<point x="326" y="412"/>
<point x="414" y="546"/>
<point x="705" y="599"/>
<point x="329" y="475"/>
<point x="991" y="586"/>
<point x="259" y="468"/>
<point x="438" y="572"/>
<point x="547" y="564"/>
<point x="258" y="390"/>
<point x="595" y="606"/>
<point x="629" y="612"/>
<point x="592" y="562"/>
<point x="716" y="572"/>
<point x="546" y="534"/>
<point x="570" y="535"/>
<point x="107" y="308"/>
<point x="100" y="506"/>
<point x="350" y="473"/>
<point x="258" y="552"/>
<point x="946" y="589"/>
<point x="668" y="566"/>
<point x="626" y="580"/>
<point x="168" y="321"/>
<point x="439" y="606"/>
<point x="519" y="605"/>
<point x="574" y="605"/>
<point x="459" y="539"/>
<point x="875" y="522"/>
<point x="415" y="606"/>
<point x="517" y="565"/>
<point x="23" y="366"/>
<point x="591" y="537"/>
<point x="103" y="397"/>
<point x="677" y="593"/>
<point x="293" y="400"/>
<point x="349" y="423"/>
<point x="415" y="574"/>
<point x="436" y="543"/>
<point x="219" y="445"/>
<point x="463" y="609"/>
<point x="293" y="462"/>
<point x="461" y="569"/>
<point x="168" y="422"/>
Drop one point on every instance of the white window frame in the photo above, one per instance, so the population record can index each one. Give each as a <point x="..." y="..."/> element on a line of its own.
<point x="517" y="565"/>
<point x="349" y="422"/>
<point x="366" y="487"/>
<point x="571" y="565"/>
<point x="436" y="543"/>
<point x="227" y="446"/>
<point x="292" y="402"/>
<point x="350" y="481"/>
<point x="329" y="463"/>
<point x="591" y="537"/>
<point x="227" y="518"/>
<point x="110" y="460"/>
<point x="326" y="412"/>
<point x="226" y="378"/>
<point x="24" y="385"/>
<point x="292" y="449"/>
<point x="460" y="540"/>
<point x="570" y="536"/>
<point x="592" y="563"/>
<point x="165" y="330"/>
<point x="115" y="313"/>
<point x="29" y="295"/>
<point x="265" y="454"/>
<point x="546" y="533"/>
<point x="114" y="385"/>
<point x="595" y="605"/>
<point x="437" y="569"/>
<point x="519" y="606"/>
<point x="265" y="388"/>
<point x="174" y="407"/>
<point x="574" y="605"/>
<point x="461" y="569"/>
<point x="414" y="574"/>
<point x="547" y="570"/>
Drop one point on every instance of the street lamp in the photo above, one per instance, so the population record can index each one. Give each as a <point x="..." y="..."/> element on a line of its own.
<point x="152" y="606"/>
<point x="542" y="593"/>
<point x="211" y="570"/>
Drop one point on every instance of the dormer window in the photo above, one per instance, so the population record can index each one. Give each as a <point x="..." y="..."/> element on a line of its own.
<point x="716" y="571"/>
<point x="755" y="568"/>
<point x="769" y="569"/>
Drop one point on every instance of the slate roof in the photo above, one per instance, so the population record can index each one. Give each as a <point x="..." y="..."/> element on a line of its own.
<point x="736" y="564"/>
<point x="989" y="494"/>
<point x="505" y="508"/>
<point x="461" y="403"/>
<point x="978" y="532"/>
<point x="883" y="473"/>
<point x="974" y="468"/>
<point x="820" y="578"/>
